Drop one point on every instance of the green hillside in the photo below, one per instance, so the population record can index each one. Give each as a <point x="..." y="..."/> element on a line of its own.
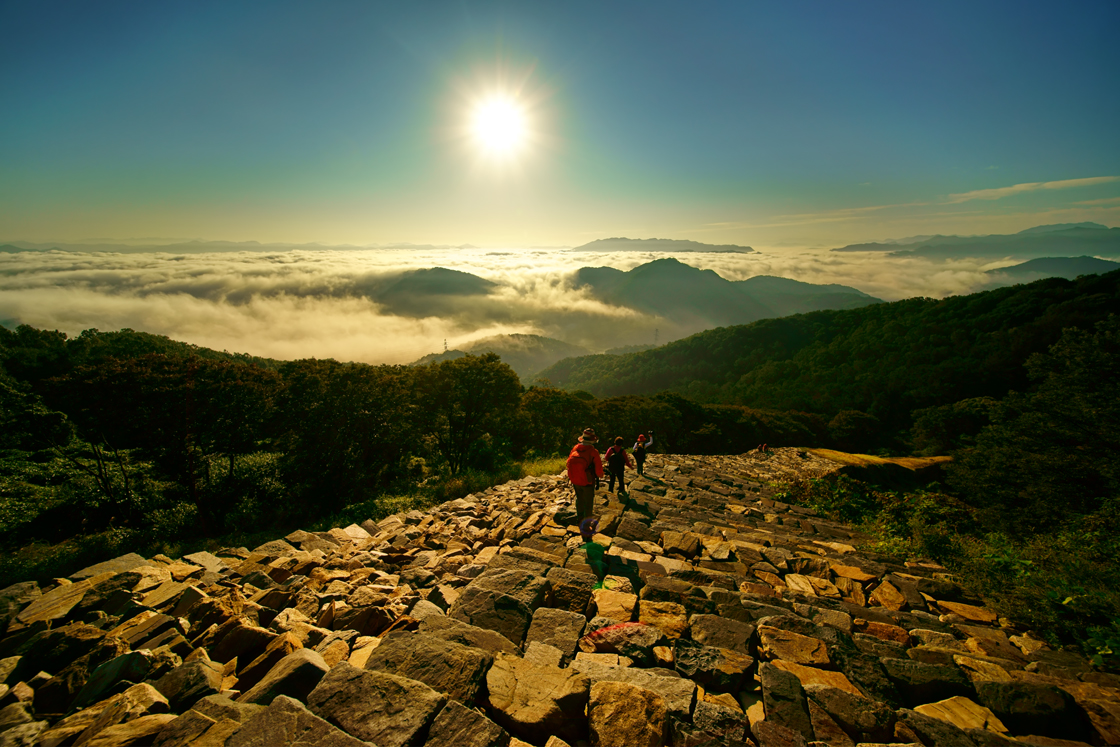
<point x="885" y="359"/>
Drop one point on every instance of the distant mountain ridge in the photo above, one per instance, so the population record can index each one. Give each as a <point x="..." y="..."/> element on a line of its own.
<point x="1052" y="267"/>
<point x="694" y="299"/>
<point x="675" y="246"/>
<point x="1058" y="240"/>
<point x="525" y="354"/>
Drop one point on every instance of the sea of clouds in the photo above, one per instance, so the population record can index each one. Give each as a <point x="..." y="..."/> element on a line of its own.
<point x="305" y="303"/>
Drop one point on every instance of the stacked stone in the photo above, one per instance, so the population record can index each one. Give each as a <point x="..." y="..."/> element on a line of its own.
<point x="723" y="617"/>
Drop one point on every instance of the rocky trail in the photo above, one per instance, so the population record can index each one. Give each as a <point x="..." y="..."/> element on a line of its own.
<point x="704" y="612"/>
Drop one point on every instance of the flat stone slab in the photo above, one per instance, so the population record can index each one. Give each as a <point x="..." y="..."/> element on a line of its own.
<point x="287" y="722"/>
<point x="376" y="707"/>
<point x="116" y="565"/>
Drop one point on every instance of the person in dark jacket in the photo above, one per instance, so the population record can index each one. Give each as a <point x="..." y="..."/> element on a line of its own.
<point x="640" y="447"/>
<point x="617" y="459"/>
<point x="585" y="467"/>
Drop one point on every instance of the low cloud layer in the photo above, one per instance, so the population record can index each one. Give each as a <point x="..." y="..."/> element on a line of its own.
<point x="325" y="304"/>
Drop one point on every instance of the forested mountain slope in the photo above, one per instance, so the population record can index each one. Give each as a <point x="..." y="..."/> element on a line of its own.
<point x="885" y="359"/>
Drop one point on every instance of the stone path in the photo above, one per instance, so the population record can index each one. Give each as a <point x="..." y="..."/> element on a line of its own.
<point x="705" y="612"/>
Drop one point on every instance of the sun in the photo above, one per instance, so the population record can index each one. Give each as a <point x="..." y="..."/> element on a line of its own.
<point x="499" y="125"/>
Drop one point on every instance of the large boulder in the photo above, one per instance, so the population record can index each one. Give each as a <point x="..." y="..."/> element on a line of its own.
<point x="468" y="635"/>
<point x="1028" y="708"/>
<point x="784" y="701"/>
<point x="464" y="727"/>
<point x="296" y="675"/>
<point x="863" y="719"/>
<point x="287" y="722"/>
<point x="634" y="640"/>
<point x="376" y="707"/>
<point x="531" y="701"/>
<point x="624" y="715"/>
<point x="721" y="632"/>
<point x="556" y="627"/>
<point x="715" y="669"/>
<point x="189" y="682"/>
<point x="450" y="668"/>
<point x="924" y="683"/>
<point x="678" y="693"/>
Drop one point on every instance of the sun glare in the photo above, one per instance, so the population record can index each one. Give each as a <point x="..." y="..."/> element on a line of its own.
<point x="499" y="126"/>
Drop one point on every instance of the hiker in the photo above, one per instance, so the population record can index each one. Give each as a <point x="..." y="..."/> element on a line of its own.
<point x="585" y="467"/>
<point x="617" y="459"/>
<point x="640" y="452"/>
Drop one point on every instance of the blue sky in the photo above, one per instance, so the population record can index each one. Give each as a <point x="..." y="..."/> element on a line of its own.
<point x="765" y="124"/>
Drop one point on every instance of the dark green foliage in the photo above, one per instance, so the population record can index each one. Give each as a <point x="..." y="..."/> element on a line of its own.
<point x="948" y="428"/>
<point x="1051" y="453"/>
<point x="885" y="360"/>
<point x="463" y="400"/>
<point x="345" y="429"/>
<point x="855" y="431"/>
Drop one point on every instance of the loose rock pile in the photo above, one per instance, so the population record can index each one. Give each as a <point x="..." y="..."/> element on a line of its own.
<point x="705" y="612"/>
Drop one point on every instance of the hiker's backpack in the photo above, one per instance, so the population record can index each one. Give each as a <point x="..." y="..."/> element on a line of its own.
<point x="578" y="462"/>
<point x="616" y="458"/>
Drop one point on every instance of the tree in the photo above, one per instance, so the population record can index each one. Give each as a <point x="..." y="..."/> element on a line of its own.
<point x="464" y="399"/>
<point x="345" y="428"/>
<point x="1049" y="456"/>
<point x="551" y="417"/>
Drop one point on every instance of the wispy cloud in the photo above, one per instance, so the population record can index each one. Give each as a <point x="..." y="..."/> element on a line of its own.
<point x="1015" y="189"/>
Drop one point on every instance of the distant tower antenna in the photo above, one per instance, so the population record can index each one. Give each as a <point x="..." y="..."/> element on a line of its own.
<point x="656" y="333"/>
<point x="445" y="344"/>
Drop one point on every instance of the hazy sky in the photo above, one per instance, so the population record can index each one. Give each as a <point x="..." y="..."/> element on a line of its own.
<point x="807" y="123"/>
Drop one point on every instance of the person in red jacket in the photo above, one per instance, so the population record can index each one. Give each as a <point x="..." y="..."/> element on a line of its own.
<point x="585" y="467"/>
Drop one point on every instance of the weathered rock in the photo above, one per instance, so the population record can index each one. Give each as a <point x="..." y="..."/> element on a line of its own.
<point x="721" y="632"/>
<point x="296" y="675"/>
<point x="723" y="722"/>
<point x="445" y="666"/>
<point x="571" y="590"/>
<point x="963" y="713"/>
<point x="925" y="683"/>
<point x="623" y="715"/>
<point x="864" y="720"/>
<point x="376" y="707"/>
<point x="825" y="728"/>
<point x="557" y="627"/>
<point x="933" y="731"/>
<point x="15" y="714"/>
<point x="530" y="701"/>
<point x="678" y="693"/>
<point x="784" y="700"/>
<point x="135" y="733"/>
<point x="464" y="727"/>
<point x="189" y="682"/>
<point x="486" y="608"/>
<point x="668" y="617"/>
<point x="715" y="669"/>
<point x="287" y="722"/>
<point x="116" y="565"/>
<point x="23" y="735"/>
<point x="14" y="598"/>
<point x="616" y="605"/>
<point x="468" y="635"/>
<point x="775" y="643"/>
<point x="634" y="640"/>
<point x="131" y="667"/>
<point x="1028" y="708"/>
<point x="280" y="646"/>
<point x="772" y="734"/>
<point x="243" y="642"/>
